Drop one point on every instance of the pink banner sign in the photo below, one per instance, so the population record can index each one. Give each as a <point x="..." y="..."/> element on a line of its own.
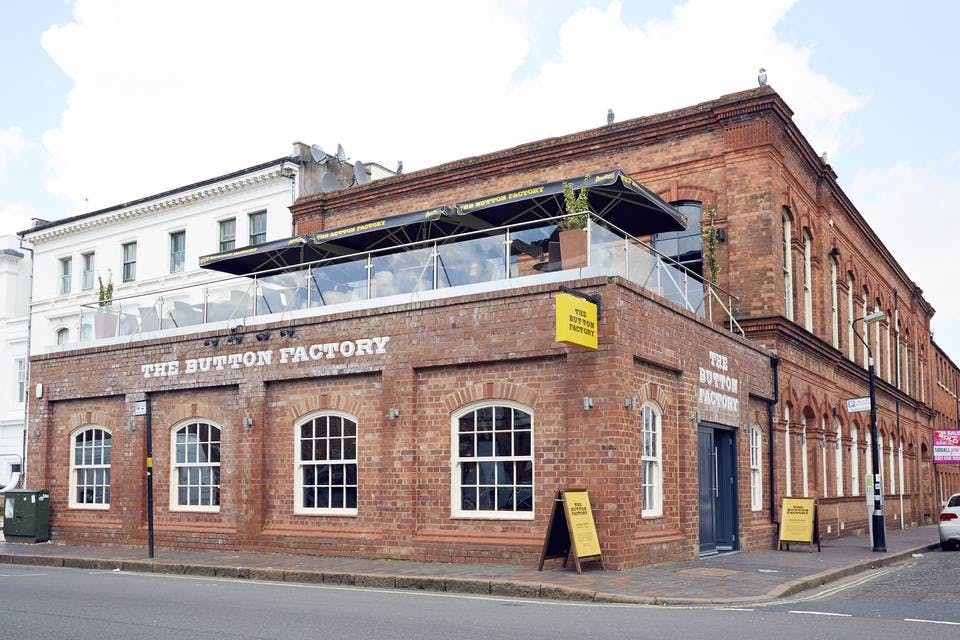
<point x="946" y="447"/>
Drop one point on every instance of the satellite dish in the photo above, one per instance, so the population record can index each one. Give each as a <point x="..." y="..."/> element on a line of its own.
<point x="319" y="155"/>
<point x="360" y="173"/>
<point x="329" y="182"/>
<point x="341" y="154"/>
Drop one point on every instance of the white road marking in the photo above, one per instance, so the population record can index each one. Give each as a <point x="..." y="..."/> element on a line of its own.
<point x="957" y="624"/>
<point x="823" y="613"/>
<point x="731" y="609"/>
<point x="20" y="575"/>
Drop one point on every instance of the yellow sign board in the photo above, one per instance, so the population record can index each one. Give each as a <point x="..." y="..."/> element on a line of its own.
<point x="576" y="321"/>
<point x="583" y="531"/>
<point x="796" y="523"/>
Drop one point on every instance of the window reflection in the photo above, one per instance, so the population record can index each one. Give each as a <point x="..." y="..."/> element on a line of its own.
<point x="534" y="250"/>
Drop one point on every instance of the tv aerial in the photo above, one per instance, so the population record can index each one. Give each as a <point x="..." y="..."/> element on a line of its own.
<point x="318" y="154"/>
<point x="341" y="154"/>
<point x="360" y="173"/>
<point x="329" y="182"/>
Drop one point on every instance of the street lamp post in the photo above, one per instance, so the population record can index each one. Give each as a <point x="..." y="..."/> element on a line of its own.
<point x="879" y="525"/>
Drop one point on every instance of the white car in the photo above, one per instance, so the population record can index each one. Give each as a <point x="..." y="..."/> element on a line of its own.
<point x="950" y="523"/>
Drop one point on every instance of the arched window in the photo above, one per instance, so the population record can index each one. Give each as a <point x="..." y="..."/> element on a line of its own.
<point x="851" y="340"/>
<point x="786" y="451"/>
<point x="868" y="453"/>
<point x="63" y="336"/>
<point x="880" y="457"/>
<point x="834" y="305"/>
<point x="807" y="281"/>
<point x="325" y="474"/>
<point x="877" y="353"/>
<point x="195" y="470"/>
<point x="90" y="468"/>
<point x="889" y="376"/>
<point x="492" y="461"/>
<point x="787" y="269"/>
<point x="756" y="477"/>
<point x="838" y="456"/>
<point x="651" y="457"/>
<point x="803" y="456"/>
<point x="893" y="465"/>
<point x="854" y="461"/>
<point x="900" y="466"/>
<point x="866" y="337"/>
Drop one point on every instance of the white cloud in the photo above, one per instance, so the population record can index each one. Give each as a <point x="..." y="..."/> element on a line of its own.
<point x="914" y="210"/>
<point x="168" y="93"/>
<point x="12" y="144"/>
<point x="15" y="217"/>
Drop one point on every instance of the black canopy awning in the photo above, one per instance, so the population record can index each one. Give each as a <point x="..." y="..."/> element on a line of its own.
<point x="365" y="236"/>
<point x="613" y="195"/>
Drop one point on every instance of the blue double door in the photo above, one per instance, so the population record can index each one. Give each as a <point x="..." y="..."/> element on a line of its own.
<point x="717" y="453"/>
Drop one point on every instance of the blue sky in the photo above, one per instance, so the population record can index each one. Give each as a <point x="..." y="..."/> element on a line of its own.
<point x="123" y="99"/>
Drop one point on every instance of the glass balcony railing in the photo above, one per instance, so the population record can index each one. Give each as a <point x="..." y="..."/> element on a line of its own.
<point x="477" y="258"/>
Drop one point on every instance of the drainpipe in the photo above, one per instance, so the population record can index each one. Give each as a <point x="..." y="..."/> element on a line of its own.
<point x="26" y="404"/>
<point x="771" y="447"/>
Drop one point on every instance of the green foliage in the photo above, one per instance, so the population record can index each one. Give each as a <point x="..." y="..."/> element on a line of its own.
<point x="575" y="202"/>
<point x="105" y="291"/>
<point x="710" y="243"/>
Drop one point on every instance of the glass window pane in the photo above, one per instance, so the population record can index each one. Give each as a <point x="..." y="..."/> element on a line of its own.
<point x="309" y="497"/>
<point x="336" y="497"/>
<point x="466" y="422"/>
<point x="521" y="443"/>
<point x="524" y="499"/>
<point x="503" y="444"/>
<point x="336" y="425"/>
<point x="350" y="498"/>
<point x="309" y="475"/>
<point x="468" y="498"/>
<point x="182" y="496"/>
<point x="306" y="450"/>
<point x="215" y="452"/>
<point x="485" y="419"/>
<point x="484" y="444"/>
<point x="505" y="473"/>
<point x="336" y="449"/>
<point x="351" y="470"/>
<point x="501" y="418"/>
<point x="349" y="448"/>
<point x="306" y="430"/>
<point x="193" y="496"/>
<point x="524" y="472"/>
<point x="320" y="427"/>
<point x="349" y="428"/>
<point x="466" y="445"/>
<point x="486" y="498"/>
<point x="505" y="498"/>
<point x="521" y="419"/>
<point x="468" y="473"/>
<point x="487" y="469"/>
<point x="323" y="474"/>
<point x="323" y="497"/>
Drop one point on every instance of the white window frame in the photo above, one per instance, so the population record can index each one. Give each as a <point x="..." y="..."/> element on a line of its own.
<point x="807" y="281"/>
<point x="878" y="357"/>
<point x="893" y="467"/>
<point x="900" y="466"/>
<point x="889" y="375"/>
<point x="834" y="305"/>
<point x="880" y="458"/>
<point x="851" y="339"/>
<point x="652" y="460"/>
<point x="89" y="259"/>
<point x="838" y="456"/>
<point x="223" y="239"/>
<point x="124" y="262"/>
<point x="866" y="329"/>
<point x="299" y="464"/>
<point x="250" y="233"/>
<point x="854" y="460"/>
<point x="175" y="467"/>
<point x="178" y="259"/>
<point x="62" y="336"/>
<point x="456" y="511"/>
<point x="787" y="268"/>
<point x="786" y="452"/>
<point x="803" y="456"/>
<point x="73" y="503"/>
<point x="66" y="275"/>
<point x="756" y="468"/>
<point x="20" y="379"/>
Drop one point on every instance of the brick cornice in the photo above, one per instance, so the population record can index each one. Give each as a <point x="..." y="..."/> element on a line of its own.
<point x="713" y="114"/>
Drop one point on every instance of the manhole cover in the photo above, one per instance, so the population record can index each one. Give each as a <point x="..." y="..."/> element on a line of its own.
<point x="708" y="571"/>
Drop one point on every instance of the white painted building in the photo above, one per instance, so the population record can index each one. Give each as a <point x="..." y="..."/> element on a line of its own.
<point x="14" y="320"/>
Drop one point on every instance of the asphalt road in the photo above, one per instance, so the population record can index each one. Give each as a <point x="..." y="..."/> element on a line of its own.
<point x="48" y="603"/>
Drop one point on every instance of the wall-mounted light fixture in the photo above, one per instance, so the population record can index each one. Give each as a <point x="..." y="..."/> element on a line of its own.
<point x="236" y="338"/>
<point x="247" y="422"/>
<point x="823" y="444"/>
<point x="263" y="335"/>
<point x="630" y="403"/>
<point x="287" y="332"/>
<point x="721" y="235"/>
<point x="587" y="403"/>
<point x="211" y="342"/>
<point x="392" y="413"/>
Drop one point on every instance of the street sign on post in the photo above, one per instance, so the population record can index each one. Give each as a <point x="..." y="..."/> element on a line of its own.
<point x="855" y="405"/>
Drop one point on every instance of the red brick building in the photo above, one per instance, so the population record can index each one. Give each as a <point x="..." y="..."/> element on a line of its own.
<point x="946" y="407"/>
<point x="417" y="405"/>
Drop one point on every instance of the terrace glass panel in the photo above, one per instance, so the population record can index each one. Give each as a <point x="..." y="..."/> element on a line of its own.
<point x="534" y="250"/>
<point x="282" y="292"/>
<point x="338" y="283"/>
<point x="471" y="261"/>
<point x="404" y="272"/>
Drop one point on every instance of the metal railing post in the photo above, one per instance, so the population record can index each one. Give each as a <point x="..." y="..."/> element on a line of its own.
<point x="309" y="287"/>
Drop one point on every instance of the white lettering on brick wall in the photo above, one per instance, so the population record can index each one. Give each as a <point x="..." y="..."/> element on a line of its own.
<point x="718" y="391"/>
<point x="286" y="355"/>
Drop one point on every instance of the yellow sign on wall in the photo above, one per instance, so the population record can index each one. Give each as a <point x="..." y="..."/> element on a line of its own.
<point x="583" y="531"/>
<point x="576" y="321"/>
<point x="796" y="523"/>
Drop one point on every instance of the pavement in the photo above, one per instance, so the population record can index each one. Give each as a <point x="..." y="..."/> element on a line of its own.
<point x="734" y="578"/>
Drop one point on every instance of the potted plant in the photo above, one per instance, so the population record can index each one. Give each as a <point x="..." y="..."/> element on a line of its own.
<point x="105" y="322"/>
<point x="573" y="234"/>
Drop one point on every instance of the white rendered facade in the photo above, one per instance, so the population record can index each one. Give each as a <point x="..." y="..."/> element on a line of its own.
<point x="14" y="306"/>
<point x="168" y="232"/>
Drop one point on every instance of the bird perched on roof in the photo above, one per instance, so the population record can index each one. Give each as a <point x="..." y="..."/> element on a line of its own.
<point x="762" y="78"/>
<point x="609" y="116"/>
<point x="400" y="167"/>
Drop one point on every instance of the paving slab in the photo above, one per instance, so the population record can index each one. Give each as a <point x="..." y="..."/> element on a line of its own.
<point x="726" y="578"/>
